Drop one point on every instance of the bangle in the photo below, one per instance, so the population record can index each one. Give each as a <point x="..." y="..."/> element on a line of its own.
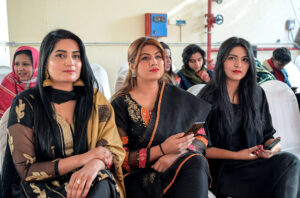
<point x="162" y="151"/>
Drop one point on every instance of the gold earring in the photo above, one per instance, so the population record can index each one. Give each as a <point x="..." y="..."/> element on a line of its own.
<point x="78" y="83"/>
<point x="47" y="82"/>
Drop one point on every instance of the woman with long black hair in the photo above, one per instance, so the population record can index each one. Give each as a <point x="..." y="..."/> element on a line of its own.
<point x="239" y="126"/>
<point x="173" y="78"/>
<point x="62" y="137"/>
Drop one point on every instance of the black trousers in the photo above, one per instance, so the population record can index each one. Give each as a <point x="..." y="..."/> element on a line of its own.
<point x="277" y="177"/>
<point x="103" y="188"/>
<point x="192" y="181"/>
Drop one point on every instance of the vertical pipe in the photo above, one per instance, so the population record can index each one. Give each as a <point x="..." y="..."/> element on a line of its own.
<point x="209" y="26"/>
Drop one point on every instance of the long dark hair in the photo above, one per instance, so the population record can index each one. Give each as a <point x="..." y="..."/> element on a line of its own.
<point x="166" y="46"/>
<point x="188" y="51"/>
<point x="216" y="91"/>
<point x="46" y="129"/>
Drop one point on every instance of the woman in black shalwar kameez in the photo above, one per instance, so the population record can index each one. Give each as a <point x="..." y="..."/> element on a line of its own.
<point x="150" y="115"/>
<point x="239" y="123"/>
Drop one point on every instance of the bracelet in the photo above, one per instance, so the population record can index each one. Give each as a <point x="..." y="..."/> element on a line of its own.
<point x="162" y="151"/>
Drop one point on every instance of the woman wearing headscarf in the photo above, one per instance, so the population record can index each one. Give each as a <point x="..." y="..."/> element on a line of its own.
<point x="23" y="76"/>
<point x="193" y="70"/>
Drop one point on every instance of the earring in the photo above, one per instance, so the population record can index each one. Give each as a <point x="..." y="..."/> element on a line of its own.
<point x="78" y="83"/>
<point x="133" y="74"/>
<point x="47" y="82"/>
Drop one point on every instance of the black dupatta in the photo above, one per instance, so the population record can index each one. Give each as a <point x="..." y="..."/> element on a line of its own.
<point x="175" y="111"/>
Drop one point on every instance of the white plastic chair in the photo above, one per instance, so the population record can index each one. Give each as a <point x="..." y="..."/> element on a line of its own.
<point x="3" y="136"/>
<point x="293" y="74"/>
<point x="297" y="62"/>
<point x="284" y="110"/>
<point x="195" y="89"/>
<point x="121" y="75"/>
<point x="4" y="70"/>
<point x="102" y="79"/>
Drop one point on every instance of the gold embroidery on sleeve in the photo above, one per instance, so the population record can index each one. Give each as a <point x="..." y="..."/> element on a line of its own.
<point x="38" y="176"/>
<point x="118" y="167"/>
<point x="30" y="160"/>
<point x="102" y="176"/>
<point x="55" y="183"/>
<point x="20" y="110"/>
<point x="37" y="190"/>
<point x="10" y="142"/>
<point x="66" y="186"/>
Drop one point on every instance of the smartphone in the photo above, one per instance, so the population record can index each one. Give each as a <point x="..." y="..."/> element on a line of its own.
<point x="194" y="128"/>
<point x="270" y="146"/>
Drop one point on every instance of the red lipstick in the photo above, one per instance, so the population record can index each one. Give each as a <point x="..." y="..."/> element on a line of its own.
<point x="237" y="71"/>
<point x="69" y="71"/>
<point x="154" y="70"/>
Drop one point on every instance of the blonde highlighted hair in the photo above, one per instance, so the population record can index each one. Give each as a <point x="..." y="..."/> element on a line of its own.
<point x="134" y="53"/>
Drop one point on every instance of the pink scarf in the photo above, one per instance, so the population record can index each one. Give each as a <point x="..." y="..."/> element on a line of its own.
<point x="11" y="85"/>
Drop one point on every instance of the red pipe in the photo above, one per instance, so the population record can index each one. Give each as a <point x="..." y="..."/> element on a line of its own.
<point x="209" y="25"/>
<point x="258" y="49"/>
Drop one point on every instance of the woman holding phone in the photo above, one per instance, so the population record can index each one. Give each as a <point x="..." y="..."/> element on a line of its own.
<point x="239" y="126"/>
<point x="160" y="161"/>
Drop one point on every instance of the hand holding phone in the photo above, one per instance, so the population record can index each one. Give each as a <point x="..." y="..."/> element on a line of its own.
<point x="194" y="128"/>
<point x="270" y="146"/>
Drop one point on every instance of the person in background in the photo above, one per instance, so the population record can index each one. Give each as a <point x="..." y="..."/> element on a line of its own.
<point x="161" y="160"/>
<point x="193" y="70"/>
<point x="281" y="57"/>
<point x="240" y="128"/>
<point x="262" y="74"/>
<point x="23" y="76"/>
<point x="174" y="78"/>
<point x="62" y="136"/>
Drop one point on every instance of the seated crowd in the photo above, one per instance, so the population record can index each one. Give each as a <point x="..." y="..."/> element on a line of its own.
<point x="65" y="139"/>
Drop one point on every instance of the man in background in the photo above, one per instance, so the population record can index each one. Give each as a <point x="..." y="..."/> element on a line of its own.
<point x="281" y="57"/>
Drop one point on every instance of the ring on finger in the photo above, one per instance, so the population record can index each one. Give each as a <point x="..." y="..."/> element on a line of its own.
<point x="78" y="181"/>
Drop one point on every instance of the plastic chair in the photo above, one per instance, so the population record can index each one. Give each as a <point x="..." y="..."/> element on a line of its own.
<point x="121" y="75"/>
<point x="3" y="136"/>
<point x="297" y="62"/>
<point x="102" y="79"/>
<point x="284" y="110"/>
<point x="4" y="70"/>
<point x="195" y="89"/>
<point x="294" y="74"/>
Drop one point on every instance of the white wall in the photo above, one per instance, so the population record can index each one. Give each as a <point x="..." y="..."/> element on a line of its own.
<point x="259" y="21"/>
<point x="4" y="50"/>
